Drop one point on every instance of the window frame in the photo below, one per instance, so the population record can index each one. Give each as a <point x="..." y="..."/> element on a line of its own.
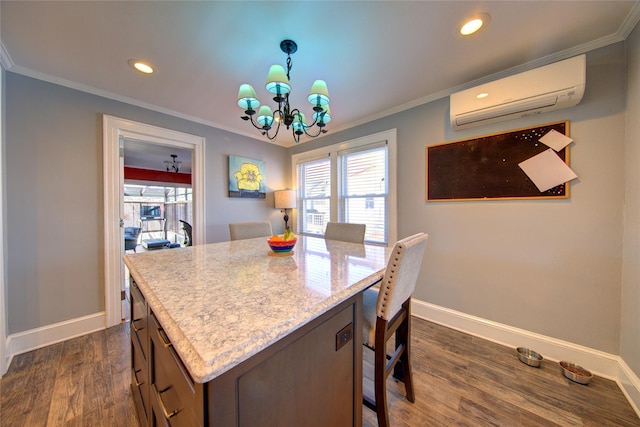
<point x="333" y="151"/>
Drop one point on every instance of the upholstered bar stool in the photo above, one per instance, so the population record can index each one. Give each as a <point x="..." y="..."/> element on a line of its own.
<point x="345" y="232"/>
<point x="387" y="311"/>
<point x="249" y="230"/>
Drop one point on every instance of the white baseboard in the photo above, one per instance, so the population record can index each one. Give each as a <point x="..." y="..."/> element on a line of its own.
<point x="46" y="335"/>
<point x="600" y="363"/>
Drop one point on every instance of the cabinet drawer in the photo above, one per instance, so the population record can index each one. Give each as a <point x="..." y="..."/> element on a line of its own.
<point x="139" y="328"/>
<point x="173" y="390"/>
<point x="139" y="380"/>
<point x="162" y="415"/>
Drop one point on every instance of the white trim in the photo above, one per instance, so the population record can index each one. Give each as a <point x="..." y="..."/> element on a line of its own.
<point x="4" y="365"/>
<point x="57" y="332"/>
<point x="600" y="363"/>
<point x="391" y="137"/>
<point x="629" y="383"/>
<point x="5" y="59"/>
<point x="113" y="130"/>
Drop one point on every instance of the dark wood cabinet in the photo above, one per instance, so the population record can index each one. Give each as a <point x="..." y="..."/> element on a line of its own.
<point x="177" y="399"/>
<point x="139" y="352"/>
<point x="311" y="377"/>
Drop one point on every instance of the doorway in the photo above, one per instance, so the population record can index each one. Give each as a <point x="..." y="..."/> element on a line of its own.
<point x="115" y="131"/>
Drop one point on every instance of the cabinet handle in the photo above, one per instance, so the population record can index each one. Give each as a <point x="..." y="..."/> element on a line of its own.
<point x="166" y="413"/>
<point x="135" y="376"/>
<point x="166" y="343"/>
<point x="133" y="324"/>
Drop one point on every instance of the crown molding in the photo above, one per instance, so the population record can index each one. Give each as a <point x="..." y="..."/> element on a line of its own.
<point x="5" y="59"/>
<point x="623" y="32"/>
<point x="630" y="21"/>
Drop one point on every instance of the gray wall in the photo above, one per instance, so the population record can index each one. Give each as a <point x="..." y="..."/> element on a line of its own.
<point x="548" y="266"/>
<point x="630" y="332"/>
<point x="54" y="195"/>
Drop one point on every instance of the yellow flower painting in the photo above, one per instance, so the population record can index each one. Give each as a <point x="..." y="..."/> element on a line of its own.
<point x="246" y="178"/>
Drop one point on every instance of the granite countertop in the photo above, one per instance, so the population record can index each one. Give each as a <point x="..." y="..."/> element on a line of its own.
<point x="222" y="303"/>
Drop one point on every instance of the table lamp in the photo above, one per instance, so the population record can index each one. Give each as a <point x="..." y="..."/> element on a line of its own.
<point x="285" y="199"/>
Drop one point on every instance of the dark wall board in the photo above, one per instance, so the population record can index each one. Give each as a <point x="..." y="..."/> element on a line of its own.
<point x="486" y="167"/>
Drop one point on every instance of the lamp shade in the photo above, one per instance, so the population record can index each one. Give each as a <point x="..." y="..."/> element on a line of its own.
<point x="299" y="123"/>
<point x="277" y="80"/>
<point x="247" y="99"/>
<point x="285" y="199"/>
<point x="319" y="94"/>
<point x="265" y="116"/>
<point x="323" y="116"/>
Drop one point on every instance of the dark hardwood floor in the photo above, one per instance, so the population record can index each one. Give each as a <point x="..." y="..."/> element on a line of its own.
<point x="459" y="380"/>
<point x="80" y="382"/>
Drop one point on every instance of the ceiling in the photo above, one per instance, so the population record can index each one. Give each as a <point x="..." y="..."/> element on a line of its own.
<point x="145" y="155"/>
<point x="377" y="57"/>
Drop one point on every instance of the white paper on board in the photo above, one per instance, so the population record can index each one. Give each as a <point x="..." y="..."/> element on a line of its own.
<point x="555" y="140"/>
<point x="547" y="170"/>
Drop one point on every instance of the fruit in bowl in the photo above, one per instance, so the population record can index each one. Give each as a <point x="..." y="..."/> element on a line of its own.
<point x="284" y="243"/>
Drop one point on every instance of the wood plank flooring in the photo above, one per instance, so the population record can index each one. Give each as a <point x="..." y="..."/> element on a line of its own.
<point x="460" y="380"/>
<point x="84" y="382"/>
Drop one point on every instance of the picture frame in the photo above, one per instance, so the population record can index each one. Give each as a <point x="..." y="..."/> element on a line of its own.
<point x="247" y="178"/>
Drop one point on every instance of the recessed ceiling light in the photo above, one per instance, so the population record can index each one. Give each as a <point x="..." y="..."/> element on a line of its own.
<point x="482" y="95"/>
<point x="141" y="66"/>
<point x="474" y="24"/>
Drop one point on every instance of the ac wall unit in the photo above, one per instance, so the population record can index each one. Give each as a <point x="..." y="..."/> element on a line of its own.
<point x="552" y="87"/>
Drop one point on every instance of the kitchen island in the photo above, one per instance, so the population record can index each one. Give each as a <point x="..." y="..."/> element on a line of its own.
<point x="232" y="334"/>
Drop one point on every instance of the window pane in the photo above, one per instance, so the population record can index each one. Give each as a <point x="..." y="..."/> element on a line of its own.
<point x="364" y="194"/>
<point x="365" y="172"/>
<point x="314" y="188"/>
<point x="315" y="215"/>
<point x="370" y="211"/>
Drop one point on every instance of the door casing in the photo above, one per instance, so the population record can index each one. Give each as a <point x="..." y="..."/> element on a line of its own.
<point x="115" y="129"/>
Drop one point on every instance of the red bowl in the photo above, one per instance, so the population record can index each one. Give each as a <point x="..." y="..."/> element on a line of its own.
<point x="281" y="246"/>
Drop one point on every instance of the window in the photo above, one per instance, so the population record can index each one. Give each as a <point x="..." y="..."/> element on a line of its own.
<point x="314" y="195"/>
<point x="363" y="193"/>
<point x="349" y="182"/>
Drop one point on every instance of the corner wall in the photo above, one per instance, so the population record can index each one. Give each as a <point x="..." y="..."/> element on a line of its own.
<point x="630" y="326"/>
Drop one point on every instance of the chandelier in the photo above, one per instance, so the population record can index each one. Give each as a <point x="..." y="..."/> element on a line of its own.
<point x="173" y="164"/>
<point x="278" y="84"/>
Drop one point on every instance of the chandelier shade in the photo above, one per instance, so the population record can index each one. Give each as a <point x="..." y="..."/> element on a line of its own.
<point x="278" y="83"/>
<point x="265" y="117"/>
<point x="323" y="116"/>
<point x="319" y="94"/>
<point x="247" y="97"/>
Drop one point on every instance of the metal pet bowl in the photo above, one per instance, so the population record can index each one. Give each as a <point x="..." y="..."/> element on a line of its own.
<point x="529" y="357"/>
<point x="576" y="372"/>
